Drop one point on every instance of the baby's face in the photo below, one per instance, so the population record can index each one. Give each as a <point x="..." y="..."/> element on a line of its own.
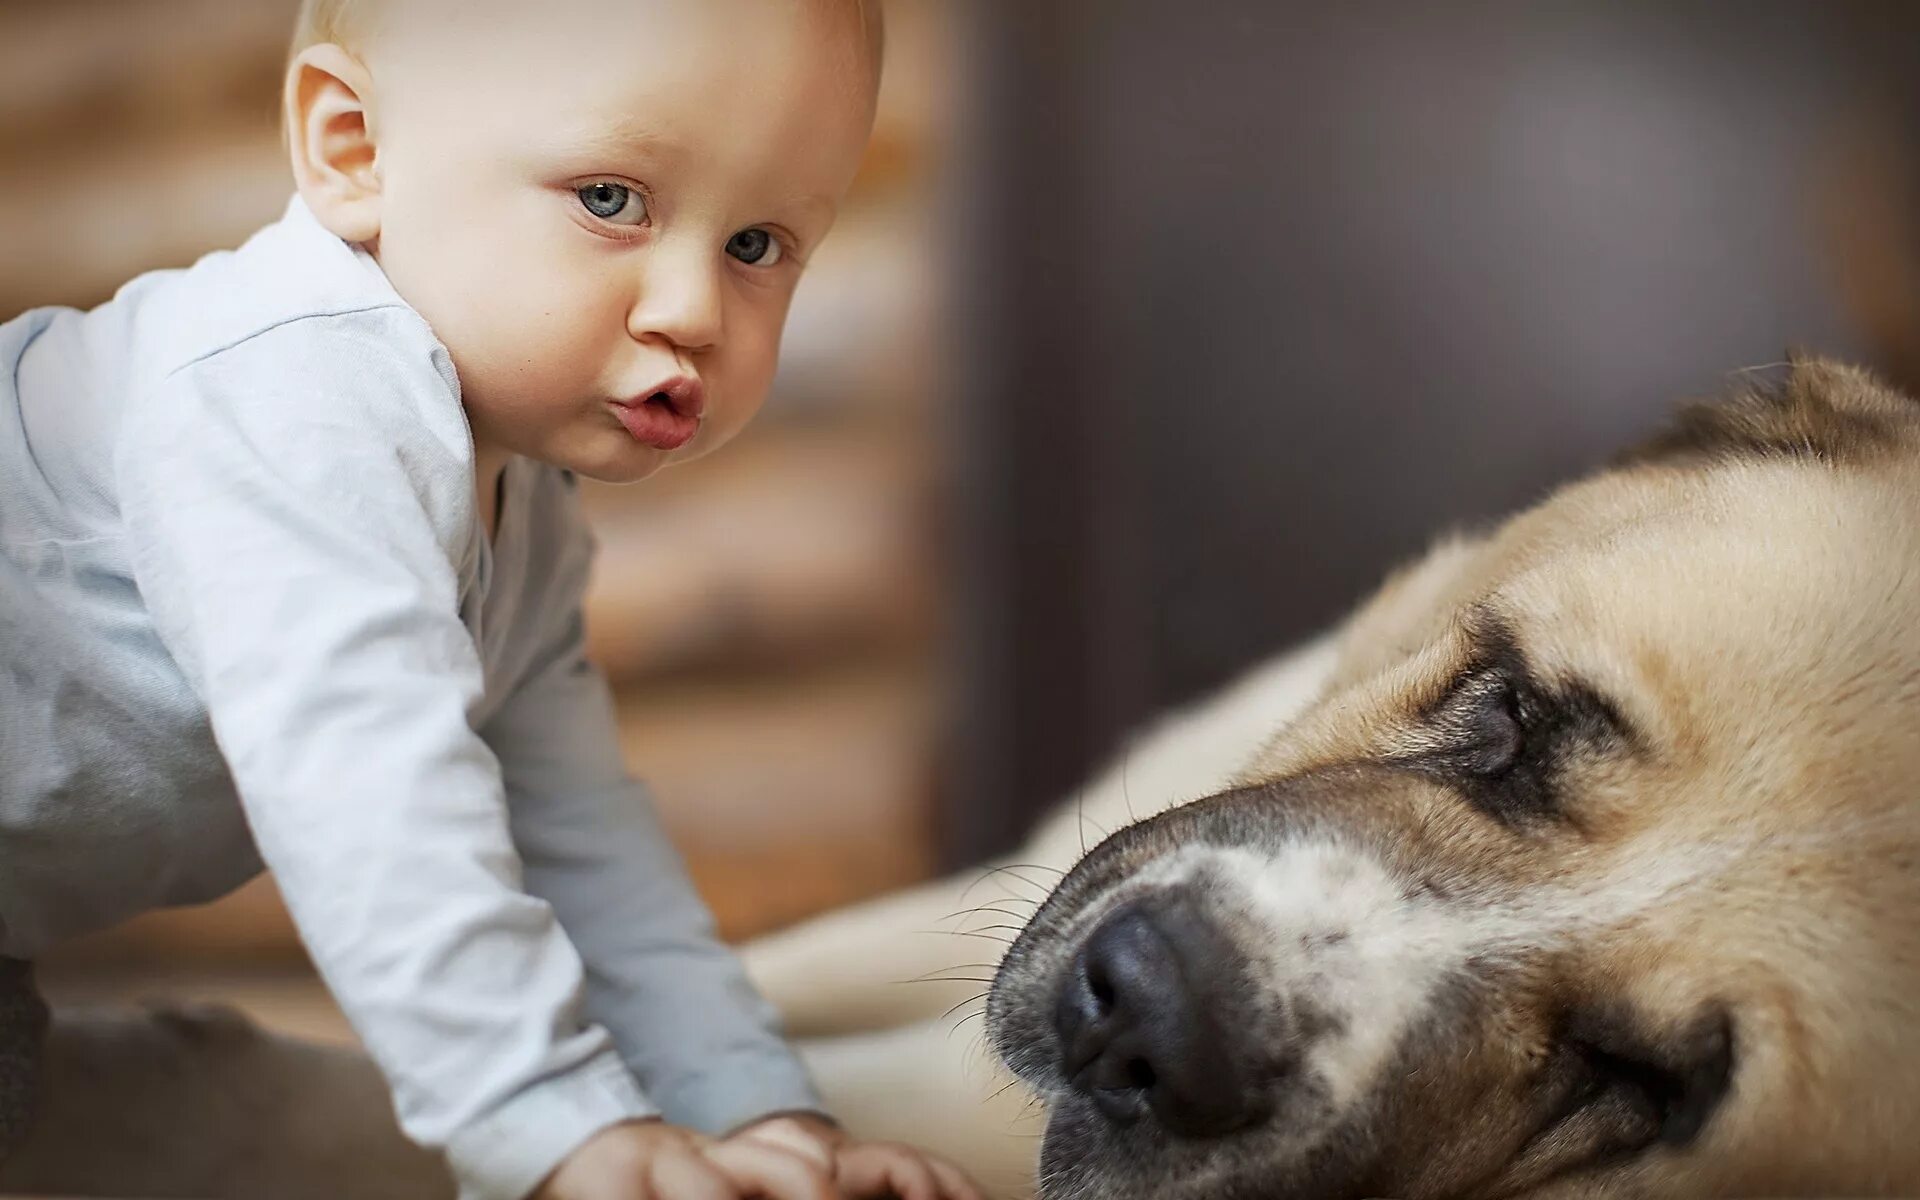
<point x="603" y="208"/>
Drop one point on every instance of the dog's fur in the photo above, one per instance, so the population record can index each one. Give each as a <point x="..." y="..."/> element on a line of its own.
<point x="1584" y="861"/>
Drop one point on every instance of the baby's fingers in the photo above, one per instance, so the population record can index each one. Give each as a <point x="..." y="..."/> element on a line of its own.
<point x="876" y="1170"/>
<point x="788" y="1135"/>
<point x="953" y="1184"/>
<point x="688" y="1176"/>
<point x="770" y="1172"/>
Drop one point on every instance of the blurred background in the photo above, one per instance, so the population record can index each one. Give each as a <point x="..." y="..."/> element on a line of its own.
<point x="1152" y="336"/>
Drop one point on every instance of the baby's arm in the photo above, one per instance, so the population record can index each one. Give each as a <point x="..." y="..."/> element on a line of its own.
<point x="700" y="1038"/>
<point x="295" y="508"/>
<point x="704" y="1043"/>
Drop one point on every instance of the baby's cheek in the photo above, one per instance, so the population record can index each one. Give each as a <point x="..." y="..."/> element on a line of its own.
<point x="753" y="360"/>
<point x="528" y="353"/>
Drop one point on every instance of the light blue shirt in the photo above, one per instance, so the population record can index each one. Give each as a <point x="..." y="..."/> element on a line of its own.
<point x="245" y="601"/>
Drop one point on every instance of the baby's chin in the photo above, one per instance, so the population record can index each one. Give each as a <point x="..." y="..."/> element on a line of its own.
<point x="632" y="467"/>
<point x="605" y="452"/>
<point x="623" y="460"/>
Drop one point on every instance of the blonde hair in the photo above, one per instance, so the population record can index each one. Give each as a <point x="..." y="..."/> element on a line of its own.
<point x="343" y="21"/>
<point x="322" y="21"/>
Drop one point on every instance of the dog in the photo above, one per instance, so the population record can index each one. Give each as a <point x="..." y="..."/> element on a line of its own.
<point x="1582" y="861"/>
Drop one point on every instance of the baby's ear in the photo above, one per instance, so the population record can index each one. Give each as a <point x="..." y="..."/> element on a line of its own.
<point x="330" y="137"/>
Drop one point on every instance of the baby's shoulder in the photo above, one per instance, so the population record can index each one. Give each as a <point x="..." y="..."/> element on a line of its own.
<point x="346" y="359"/>
<point x="238" y="331"/>
<point x="355" y="411"/>
<point x="292" y="290"/>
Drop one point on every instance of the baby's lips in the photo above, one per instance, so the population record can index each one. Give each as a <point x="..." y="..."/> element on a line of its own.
<point x="653" y="421"/>
<point x="682" y="393"/>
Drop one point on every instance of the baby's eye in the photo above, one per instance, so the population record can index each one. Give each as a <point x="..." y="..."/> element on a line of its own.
<point x="615" y="202"/>
<point x="756" y="247"/>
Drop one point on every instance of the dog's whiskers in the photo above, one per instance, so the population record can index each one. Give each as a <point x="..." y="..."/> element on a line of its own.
<point x="1011" y="869"/>
<point x="971" y="933"/>
<point x="979" y="1044"/>
<point x="947" y="979"/>
<point x="1027" y="866"/>
<point x="988" y="908"/>
<point x="979" y="930"/>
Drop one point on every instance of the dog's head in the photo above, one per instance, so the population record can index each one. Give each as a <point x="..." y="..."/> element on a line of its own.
<point x="1595" y="870"/>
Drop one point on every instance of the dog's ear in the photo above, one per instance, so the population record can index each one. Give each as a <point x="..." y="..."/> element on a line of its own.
<point x="1817" y="410"/>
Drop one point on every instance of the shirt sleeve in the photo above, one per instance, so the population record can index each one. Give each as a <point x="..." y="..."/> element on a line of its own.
<point x="297" y="508"/>
<point x="703" y="1042"/>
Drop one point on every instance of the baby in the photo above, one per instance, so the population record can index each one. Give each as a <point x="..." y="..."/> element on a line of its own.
<point x="291" y="566"/>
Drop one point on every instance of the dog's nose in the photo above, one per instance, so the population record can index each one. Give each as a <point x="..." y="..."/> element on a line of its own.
<point x="1145" y="1021"/>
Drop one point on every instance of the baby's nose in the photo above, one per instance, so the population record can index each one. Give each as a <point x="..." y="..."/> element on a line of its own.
<point x="681" y="301"/>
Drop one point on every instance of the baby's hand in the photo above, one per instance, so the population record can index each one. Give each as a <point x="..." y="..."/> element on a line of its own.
<point x="651" y="1160"/>
<point x="863" y="1170"/>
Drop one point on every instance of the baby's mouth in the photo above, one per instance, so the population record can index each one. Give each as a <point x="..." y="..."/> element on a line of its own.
<point x="665" y="418"/>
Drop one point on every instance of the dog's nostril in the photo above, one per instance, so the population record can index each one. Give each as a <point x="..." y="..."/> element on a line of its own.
<point x="1101" y="987"/>
<point x="1140" y="1073"/>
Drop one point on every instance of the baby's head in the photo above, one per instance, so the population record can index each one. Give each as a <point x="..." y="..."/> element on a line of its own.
<point x="601" y="206"/>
